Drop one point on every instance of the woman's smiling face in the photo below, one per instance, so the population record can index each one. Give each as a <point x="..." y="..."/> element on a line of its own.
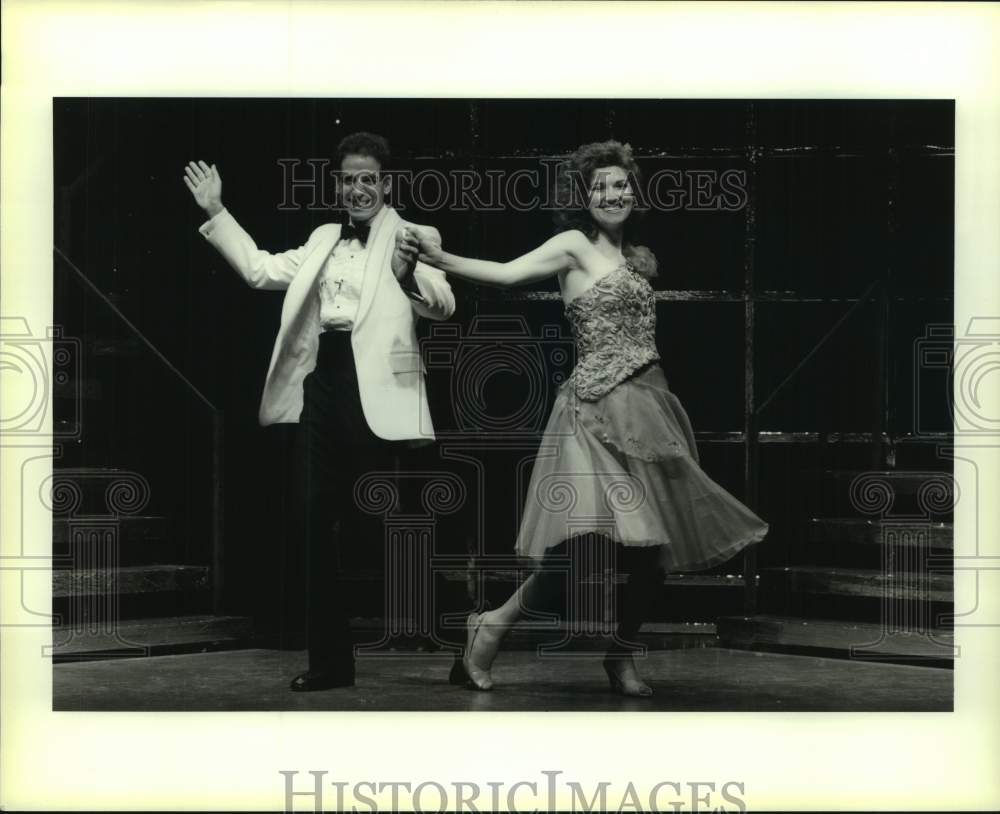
<point x="611" y="197"/>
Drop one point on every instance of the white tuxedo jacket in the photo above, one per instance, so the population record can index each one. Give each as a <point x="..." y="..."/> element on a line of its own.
<point x="386" y="355"/>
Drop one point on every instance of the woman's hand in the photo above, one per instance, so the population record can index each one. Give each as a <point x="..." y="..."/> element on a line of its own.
<point x="428" y="245"/>
<point x="205" y="184"/>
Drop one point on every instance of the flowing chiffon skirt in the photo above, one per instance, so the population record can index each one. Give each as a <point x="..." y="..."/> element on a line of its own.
<point x="626" y="466"/>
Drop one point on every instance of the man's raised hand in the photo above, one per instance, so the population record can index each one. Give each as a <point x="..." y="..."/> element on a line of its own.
<point x="205" y="184"/>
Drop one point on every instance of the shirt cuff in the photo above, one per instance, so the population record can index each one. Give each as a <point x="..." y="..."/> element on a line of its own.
<point x="208" y="226"/>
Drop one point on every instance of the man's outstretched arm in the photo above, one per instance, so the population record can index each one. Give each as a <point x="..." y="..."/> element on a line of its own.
<point x="259" y="268"/>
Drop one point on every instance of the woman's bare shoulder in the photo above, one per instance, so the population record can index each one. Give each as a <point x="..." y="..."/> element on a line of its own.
<point x="576" y="244"/>
<point x="575" y="239"/>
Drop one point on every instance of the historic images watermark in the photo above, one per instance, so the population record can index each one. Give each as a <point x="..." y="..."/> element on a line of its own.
<point x="550" y="792"/>
<point x="316" y="184"/>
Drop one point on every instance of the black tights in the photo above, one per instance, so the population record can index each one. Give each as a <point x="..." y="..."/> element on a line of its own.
<point x="573" y="561"/>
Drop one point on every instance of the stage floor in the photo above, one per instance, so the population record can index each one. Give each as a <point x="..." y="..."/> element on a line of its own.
<point x="691" y="679"/>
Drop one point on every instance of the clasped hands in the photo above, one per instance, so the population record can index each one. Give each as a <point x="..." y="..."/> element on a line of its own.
<point x="423" y="243"/>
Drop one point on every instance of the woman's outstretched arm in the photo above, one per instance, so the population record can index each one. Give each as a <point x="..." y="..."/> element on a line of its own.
<point x="559" y="253"/>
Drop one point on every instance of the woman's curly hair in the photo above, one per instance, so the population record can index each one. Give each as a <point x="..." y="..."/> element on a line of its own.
<point x="572" y="194"/>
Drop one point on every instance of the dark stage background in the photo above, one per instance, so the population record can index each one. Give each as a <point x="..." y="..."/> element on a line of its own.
<point x="841" y="195"/>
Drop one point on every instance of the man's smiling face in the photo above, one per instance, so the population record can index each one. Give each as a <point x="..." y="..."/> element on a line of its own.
<point x="363" y="188"/>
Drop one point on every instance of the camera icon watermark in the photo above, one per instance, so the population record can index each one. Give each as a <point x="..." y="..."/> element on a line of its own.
<point x="480" y="365"/>
<point x="962" y="368"/>
<point x="34" y="368"/>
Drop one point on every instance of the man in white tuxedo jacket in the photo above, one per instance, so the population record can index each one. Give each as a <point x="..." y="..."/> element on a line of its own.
<point x="346" y="365"/>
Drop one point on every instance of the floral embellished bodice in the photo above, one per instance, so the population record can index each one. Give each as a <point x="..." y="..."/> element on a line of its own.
<point x="614" y="325"/>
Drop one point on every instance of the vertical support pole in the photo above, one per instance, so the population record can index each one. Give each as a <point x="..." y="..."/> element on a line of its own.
<point x="879" y="403"/>
<point x="475" y="547"/>
<point x="884" y="454"/>
<point x="218" y="517"/>
<point x="474" y="219"/>
<point x="750" y="424"/>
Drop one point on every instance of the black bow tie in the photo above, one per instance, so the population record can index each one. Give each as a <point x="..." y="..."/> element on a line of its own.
<point x="350" y="230"/>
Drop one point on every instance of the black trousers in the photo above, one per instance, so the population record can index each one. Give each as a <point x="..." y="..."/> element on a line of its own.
<point x="334" y="448"/>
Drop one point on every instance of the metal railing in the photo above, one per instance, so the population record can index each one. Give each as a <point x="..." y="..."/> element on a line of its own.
<point x="217" y="539"/>
<point x="876" y="292"/>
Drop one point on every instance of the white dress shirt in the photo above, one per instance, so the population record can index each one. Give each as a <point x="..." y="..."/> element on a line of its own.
<point x="341" y="279"/>
<point x="340" y="285"/>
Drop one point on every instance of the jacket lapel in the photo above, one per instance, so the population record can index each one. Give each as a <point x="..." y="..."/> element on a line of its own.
<point x="380" y="246"/>
<point x="302" y="292"/>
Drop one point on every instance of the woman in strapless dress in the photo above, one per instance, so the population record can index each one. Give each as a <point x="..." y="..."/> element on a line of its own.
<point x="618" y="450"/>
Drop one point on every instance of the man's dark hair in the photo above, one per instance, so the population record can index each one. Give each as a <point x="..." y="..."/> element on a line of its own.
<point x="368" y="144"/>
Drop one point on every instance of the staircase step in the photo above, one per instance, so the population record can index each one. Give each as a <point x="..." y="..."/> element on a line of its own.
<point x="140" y="579"/>
<point x="96" y="493"/>
<point x="873" y="544"/>
<point x="861" y="531"/>
<point x="153" y="637"/>
<point x="836" y="639"/>
<point x="860" y="582"/>
<point x="137" y="528"/>
<point x="859" y="594"/>
<point x="892" y="492"/>
<point x="887" y="493"/>
<point x="903" y="481"/>
<point x="84" y="595"/>
<point x="136" y="540"/>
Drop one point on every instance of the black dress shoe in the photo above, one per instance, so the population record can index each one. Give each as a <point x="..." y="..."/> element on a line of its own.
<point x="313" y="680"/>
